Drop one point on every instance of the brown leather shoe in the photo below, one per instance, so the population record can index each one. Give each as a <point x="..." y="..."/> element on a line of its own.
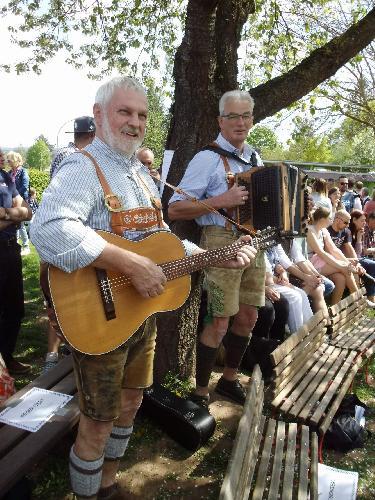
<point x="17" y="368"/>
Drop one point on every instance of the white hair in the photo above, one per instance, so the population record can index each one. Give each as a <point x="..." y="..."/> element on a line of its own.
<point x="235" y="95"/>
<point x="106" y="91"/>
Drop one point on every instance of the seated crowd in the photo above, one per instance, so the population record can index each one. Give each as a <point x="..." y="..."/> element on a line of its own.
<point x="339" y="257"/>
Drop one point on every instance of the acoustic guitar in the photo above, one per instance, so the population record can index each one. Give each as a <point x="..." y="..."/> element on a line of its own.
<point x="99" y="310"/>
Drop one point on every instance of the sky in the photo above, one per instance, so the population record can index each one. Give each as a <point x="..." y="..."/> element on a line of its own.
<point x="33" y="104"/>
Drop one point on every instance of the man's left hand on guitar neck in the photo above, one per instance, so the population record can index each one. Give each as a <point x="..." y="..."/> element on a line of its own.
<point x="243" y="258"/>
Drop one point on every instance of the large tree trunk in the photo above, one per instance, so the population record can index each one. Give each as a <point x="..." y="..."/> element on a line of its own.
<point x="205" y="67"/>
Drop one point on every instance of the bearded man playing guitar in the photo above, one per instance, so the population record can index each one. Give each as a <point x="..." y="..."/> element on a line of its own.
<point x="230" y="293"/>
<point x="106" y="188"/>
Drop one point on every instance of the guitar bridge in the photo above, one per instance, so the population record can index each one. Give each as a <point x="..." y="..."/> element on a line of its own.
<point x="106" y="294"/>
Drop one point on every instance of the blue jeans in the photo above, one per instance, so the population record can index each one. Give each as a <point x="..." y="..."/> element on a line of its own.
<point x="328" y="286"/>
<point x="369" y="265"/>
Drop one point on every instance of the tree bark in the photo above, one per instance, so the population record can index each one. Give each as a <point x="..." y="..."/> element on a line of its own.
<point x="205" y="67"/>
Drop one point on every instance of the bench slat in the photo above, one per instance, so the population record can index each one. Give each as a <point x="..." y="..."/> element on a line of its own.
<point x="352" y="298"/>
<point x="343" y="390"/>
<point x="349" y="313"/>
<point x="314" y="466"/>
<point x="287" y="491"/>
<point x="294" y="372"/>
<point x="337" y="380"/>
<point x="291" y="342"/>
<point x="309" y="343"/>
<point x="304" y="464"/>
<point x="265" y="460"/>
<point x="349" y="321"/>
<point x="357" y="337"/>
<point x="304" y="376"/>
<point x="240" y="464"/>
<point x="319" y="384"/>
<point x="277" y="460"/>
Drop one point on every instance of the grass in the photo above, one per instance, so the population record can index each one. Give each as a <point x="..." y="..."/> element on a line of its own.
<point x="50" y="478"/>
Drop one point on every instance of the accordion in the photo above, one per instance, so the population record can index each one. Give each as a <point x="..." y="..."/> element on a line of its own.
<point x="277" y="199"/>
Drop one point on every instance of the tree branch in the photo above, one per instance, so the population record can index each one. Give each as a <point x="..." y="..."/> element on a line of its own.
<point x="321" y="64"/>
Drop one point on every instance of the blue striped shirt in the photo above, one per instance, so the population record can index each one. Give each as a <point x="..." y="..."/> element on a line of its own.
<point x="73" y="204"/>
<point x="205" y="177"/>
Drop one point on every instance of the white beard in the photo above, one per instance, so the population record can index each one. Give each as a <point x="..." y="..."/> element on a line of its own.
<point x="124" y="146"/>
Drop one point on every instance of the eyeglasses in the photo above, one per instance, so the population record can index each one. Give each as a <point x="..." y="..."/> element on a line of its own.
<point x="234" y="116"/>
<point x="344" y="183"/>
<point x="344" y="221"/>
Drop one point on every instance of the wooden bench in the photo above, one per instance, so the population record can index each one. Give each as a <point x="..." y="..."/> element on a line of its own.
<point x="311" y="377"/>
<point x="20" y="449"/>
<point x="270" y="459"/>
<point x="352" y="328"/>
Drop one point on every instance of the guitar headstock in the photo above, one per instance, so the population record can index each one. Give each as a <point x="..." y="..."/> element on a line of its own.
<point x="267" y="238"/>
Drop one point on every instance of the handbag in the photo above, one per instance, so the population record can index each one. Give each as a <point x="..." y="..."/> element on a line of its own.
<point x="183" y="420"/>
<point x="345" y="433"/>
<point x="7" y="388"/>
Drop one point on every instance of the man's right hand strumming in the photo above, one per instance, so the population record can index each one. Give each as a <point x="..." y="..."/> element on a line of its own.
<point x="146" y="277"/>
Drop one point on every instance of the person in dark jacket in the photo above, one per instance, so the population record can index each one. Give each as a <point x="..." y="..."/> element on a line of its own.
<point x="13" y="210"/>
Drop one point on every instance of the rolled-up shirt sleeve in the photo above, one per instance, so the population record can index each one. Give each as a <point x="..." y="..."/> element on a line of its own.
<point x="60" y="231"/>
<point x="201" y="177"/>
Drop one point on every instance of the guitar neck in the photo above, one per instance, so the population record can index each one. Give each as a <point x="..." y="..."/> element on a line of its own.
<point x="187" y="265"/>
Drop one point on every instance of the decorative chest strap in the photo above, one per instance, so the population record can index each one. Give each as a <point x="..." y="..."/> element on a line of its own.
<point x="134" y="219"/>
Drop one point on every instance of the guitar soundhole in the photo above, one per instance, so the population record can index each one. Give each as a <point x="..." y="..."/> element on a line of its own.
<point x="106" y="294"/>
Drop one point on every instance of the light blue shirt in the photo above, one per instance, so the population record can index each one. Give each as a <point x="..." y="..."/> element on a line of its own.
<point x="205" y="177"/>
<point x="73" y="206"/>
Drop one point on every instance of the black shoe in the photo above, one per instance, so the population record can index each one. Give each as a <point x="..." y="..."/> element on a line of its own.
<point x="65" y="350"/>
<point x="202" y="401"/>
<point x="232" y="389"/>
<point x="16" y="367"/>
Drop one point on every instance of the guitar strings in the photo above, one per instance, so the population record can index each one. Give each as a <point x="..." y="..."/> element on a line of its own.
<point x="173" y="269"/>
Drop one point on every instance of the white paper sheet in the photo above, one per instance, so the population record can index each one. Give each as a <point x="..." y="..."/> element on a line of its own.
<point x="34" y="409"/>
<point x="336" y="484"/>
<point x="167" y="160"/>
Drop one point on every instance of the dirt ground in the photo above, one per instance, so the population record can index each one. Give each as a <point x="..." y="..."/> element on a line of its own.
<point x="157" y="467"/>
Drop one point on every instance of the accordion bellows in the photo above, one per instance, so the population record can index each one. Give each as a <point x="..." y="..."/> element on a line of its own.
<point x="277" y="199"/>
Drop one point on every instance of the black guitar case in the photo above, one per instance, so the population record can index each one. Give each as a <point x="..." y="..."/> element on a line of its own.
<point x="186" y="422"/>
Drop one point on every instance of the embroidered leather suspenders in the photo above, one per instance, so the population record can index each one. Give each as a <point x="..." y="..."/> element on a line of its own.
<point x="133" y="219"/>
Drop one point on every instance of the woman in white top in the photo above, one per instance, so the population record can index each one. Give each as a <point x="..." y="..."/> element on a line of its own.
<point x="319" y="195"/>
<point x="299" y="307"/>
<point x="326" y="257"/>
